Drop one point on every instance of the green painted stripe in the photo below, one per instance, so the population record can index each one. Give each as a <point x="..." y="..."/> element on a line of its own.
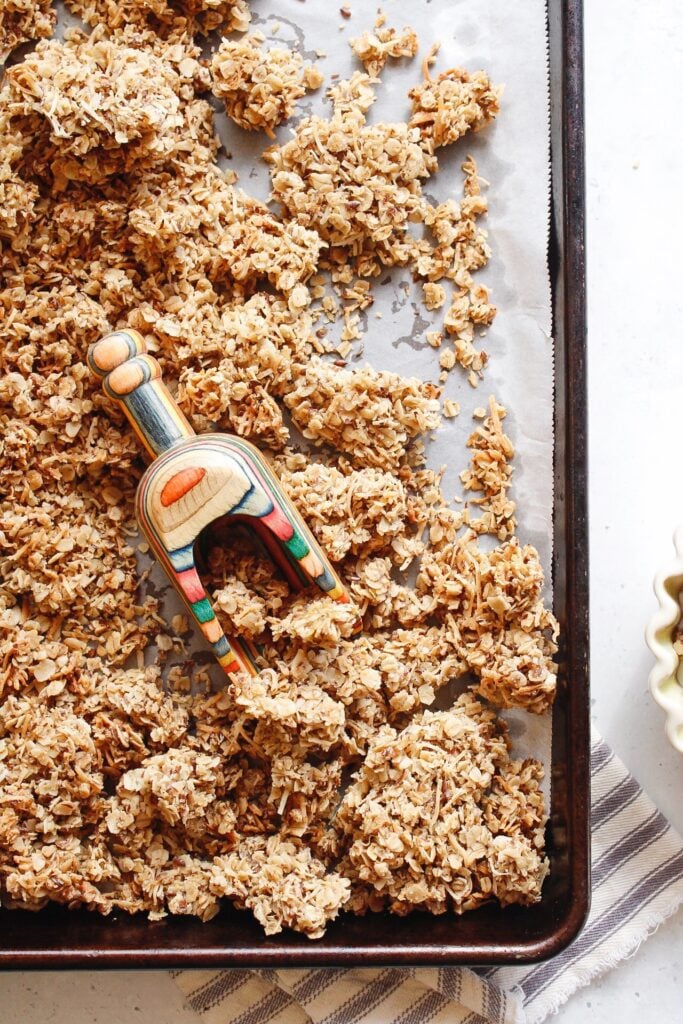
<point x="297" y="545"/>
<point x="202" y="610"/>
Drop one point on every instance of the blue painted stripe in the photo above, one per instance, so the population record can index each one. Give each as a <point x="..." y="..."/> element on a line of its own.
<point x="158" y="424"/>
<point x="182" y="558"/>
<point x="236" y="509"/>
<point x="221" y="647"/>
<point x="325" y="581"/>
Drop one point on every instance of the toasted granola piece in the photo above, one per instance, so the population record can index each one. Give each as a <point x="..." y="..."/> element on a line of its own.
<point x="515" y="669"/>
<point x="292" y="713"/>
<point x="470" y="308"/>
<point x="515" y="801"/>
<point x="384" y="601"/>
<point x="375" y="47"/>
<point x="110" y="105"/>
<point x="434" y="295"/>
<point x="490" y="474"/>
<point x="455" y="103"/>
<point x="242" y="610"/>
<point x="107" y="106"/>
<point x="76" y="872"/>
<point x="282" y="884"/>
<point x="178" y="787"/>
<point x="261" y="333"/>
<point x="304" y="795"/>
<point x="17" y="208"/>
<point x="161" y="16"/>
<point x="353" y="96"/>
<point x="484" y="589"/>
<point x="259" y="87"/>
<point x="131" y="717"/>
<point x="166" y="879"/>
<point x="357" y="184"/>
<point x="53" y="795"/>
<point x="243" y="562"/>
<point x="220" y="398"/>
<point x="381" y="677"/>
<point x="23" y="20"/>
<point x="316" y="622"/>
<point x="416" y="820"/>
<point x="28" y="660"/>
<point x="200" y="226"/>
<point x="461" y="243"/>
<point x="52" y="770"/>
<point x="357" y="512"/>
<point x="369" y="415"/>
<point x="496" y="618"/>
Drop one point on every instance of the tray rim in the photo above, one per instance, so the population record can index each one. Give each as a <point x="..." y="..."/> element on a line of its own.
<point x="567" y="124"/>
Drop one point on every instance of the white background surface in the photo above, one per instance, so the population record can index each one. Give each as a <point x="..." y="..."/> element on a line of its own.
<point x="634" y="65"/>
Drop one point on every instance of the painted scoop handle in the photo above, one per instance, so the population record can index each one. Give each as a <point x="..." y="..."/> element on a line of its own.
<point x="133" y="379"/>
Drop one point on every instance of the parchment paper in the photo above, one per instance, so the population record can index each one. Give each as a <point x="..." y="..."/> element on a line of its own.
<point x="509" y="41"/>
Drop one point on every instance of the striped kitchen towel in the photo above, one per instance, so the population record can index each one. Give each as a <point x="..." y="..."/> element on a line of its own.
<point x="637" y="883"/>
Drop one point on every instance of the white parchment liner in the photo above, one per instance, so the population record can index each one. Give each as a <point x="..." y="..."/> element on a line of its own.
<point x="509" y="41"/>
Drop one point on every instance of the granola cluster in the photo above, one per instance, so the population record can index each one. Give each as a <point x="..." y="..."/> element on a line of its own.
<point x="374" y="48"/>
<point x="135" y="787"/>
<point x="456" y="103"/>
<point x="370" y="416"/>
<point x="260" y="87"/>
<point x="166" y="18"/>
<point x="23" y="20"/>
<point x="440" y="818"/>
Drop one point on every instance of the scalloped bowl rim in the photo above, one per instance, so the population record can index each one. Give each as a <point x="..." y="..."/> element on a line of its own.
<point x="663" y="679"/>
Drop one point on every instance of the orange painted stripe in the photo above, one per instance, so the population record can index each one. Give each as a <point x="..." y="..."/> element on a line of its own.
<point x="180" y="483"/>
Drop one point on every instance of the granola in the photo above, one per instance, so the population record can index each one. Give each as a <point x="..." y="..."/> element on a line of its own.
<point x="455" y="103"/>
<point x="374" y="48"/>
<point x="135" y="787"/>
<point x="169" y="19"/>
<point x="429" y="823"/>
<point x="22" y="20"/>
<point x="370" y="416"/>
<point x="260" y="87"/>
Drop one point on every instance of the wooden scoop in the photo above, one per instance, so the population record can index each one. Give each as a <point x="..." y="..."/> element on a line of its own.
<point x="195" y="480"/>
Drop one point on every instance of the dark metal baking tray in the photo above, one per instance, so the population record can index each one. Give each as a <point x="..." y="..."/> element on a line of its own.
<point x="63" y="939"/>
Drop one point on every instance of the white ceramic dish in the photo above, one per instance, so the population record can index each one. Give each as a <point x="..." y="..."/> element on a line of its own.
<point x="665" y="677"/>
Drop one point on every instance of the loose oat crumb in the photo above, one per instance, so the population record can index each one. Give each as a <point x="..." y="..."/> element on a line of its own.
<point x="490" y="474"/>
<point x="434" y="295"/>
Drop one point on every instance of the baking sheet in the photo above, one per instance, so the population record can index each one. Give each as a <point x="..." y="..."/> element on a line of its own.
<point x="78" y="939"/>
